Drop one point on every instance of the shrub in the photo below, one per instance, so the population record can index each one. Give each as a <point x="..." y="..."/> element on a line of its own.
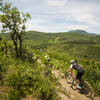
<point x="28" y="79"/>
<point x="93" y="77"/>
<point x="13" y="94"/>
<point x="47" y="91"/>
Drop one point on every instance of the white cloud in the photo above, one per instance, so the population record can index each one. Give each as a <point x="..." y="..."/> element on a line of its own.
<point x="61" y="27"/>
<point x="75" y="27"/>
<point x="56" y="2"/>
<point x="87" y="15"/>
<point x="33" y="24"/>
<point x="39" y="25"/>
<point x="61" y="15"/>
<point x="88" y="18"/>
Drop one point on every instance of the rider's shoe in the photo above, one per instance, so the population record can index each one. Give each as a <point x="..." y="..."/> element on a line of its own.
<point x="78" y="86"/>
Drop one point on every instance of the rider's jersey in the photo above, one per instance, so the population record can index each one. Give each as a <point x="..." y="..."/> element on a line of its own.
<point x="76" y="67"/>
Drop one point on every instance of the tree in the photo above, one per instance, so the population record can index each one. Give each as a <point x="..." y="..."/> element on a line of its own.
<point x="1" y="3"/>
<point x="13" y="22"/>
<point x="3" y="46"/>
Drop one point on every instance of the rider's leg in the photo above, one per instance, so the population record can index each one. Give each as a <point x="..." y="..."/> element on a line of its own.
<point x="78" y="79"/>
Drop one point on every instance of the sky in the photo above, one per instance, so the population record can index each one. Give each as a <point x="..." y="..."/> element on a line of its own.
<point x="61" y="15"/>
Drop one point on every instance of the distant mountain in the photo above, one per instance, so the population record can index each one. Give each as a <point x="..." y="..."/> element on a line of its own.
<point x="79" y="31"/>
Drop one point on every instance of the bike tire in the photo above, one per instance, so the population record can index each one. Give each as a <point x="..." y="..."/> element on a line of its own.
<point x="69" y="78"/>
<point x="87" y="88"/>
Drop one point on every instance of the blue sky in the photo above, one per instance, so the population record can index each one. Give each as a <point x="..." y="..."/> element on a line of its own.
<point x="61" y="15"/>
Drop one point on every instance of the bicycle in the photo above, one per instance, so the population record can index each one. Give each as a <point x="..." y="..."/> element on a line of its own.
<point x="69" y="77"/>
<point x="86" y="88"/>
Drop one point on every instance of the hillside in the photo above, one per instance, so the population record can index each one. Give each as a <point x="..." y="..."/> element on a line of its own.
<point x="74" y="44"/>
<point x="79" y="31"/>
<point x="34" y="74"/>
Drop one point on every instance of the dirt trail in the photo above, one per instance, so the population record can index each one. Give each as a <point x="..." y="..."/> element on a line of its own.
<point x="30" y="97"/>
<point x="63" y="97"/>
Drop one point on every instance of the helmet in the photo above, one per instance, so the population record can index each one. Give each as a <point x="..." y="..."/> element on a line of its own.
<point x="72" y="61"/>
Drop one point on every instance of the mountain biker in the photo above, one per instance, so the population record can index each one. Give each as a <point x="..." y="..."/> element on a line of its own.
<point x="47" y="57"/>
<point x="80" y="72"/>
<point x="48" y="60"/>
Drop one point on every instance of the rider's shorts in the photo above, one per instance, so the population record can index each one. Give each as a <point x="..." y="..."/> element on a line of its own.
<point x="79" y="74"/>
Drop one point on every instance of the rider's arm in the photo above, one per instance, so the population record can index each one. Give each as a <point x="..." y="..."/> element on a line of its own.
<point x="70" y="68"/>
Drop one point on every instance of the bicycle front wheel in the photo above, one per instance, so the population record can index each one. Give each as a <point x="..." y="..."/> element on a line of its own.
<point x="69" y="77"/>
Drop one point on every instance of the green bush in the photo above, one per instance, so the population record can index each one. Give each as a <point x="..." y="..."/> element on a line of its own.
<point x="28" y="79"/>
<point x="13" y="94"/>
<point x="92" y="75"/>
<point x="97" y="88"/>
<point x="47" y="91"/>
<point x="22" y="79"/>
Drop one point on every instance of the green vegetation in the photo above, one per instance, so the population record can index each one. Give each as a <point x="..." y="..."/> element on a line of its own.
<point x="88" y="46"/>
<point x="62" y="47"/>
<point x="23" y="75"/>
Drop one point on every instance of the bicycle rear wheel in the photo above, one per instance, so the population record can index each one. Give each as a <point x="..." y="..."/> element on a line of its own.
<point x="86" y="89"/>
